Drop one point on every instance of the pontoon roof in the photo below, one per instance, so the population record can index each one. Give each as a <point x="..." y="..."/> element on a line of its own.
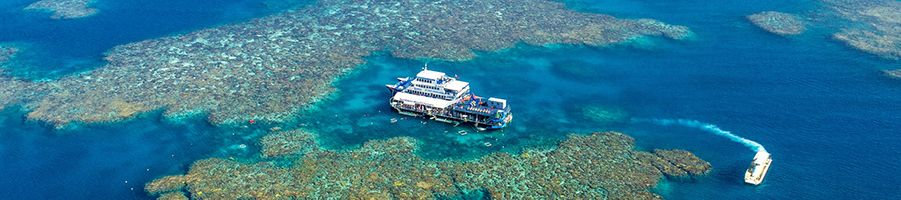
<point x="761" y="157"/>
<point x="456" y="85"/>
<point x="429" y="74"/>
<point x="433" y="102"/>
<point x="504" y="101"/>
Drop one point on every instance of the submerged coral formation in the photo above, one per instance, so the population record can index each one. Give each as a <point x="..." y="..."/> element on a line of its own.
<point x="778" y="22"/>
<point x="601" y="165"/>
<point x="270" y="67"/>
<point x="7" y="53"/>
<point x="893" y="73"/>
<point x="575" y="70"/>
<point x="877" y="29"/>
<point x="64" y="9"/>
<point x="605" y="114"/>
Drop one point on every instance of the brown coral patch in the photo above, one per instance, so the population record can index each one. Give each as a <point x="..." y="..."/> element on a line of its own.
<point x="173" y="196"/>
<point x="597" y="166"/>
<point x="166" y="184"/>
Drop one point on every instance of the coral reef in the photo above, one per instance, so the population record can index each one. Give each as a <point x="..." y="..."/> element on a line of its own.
<point x="605" y="114"/>
<point x="778" y="22"/>
<point x="271" y="67"/>
<point x="287" y="143"/>
<point x="380" y="169"/>
<point x="226" y="179"/>
<point x="678" y="163"/>
<point x="64" y="9"/>
<point x="173" y="196"/>
<point x="601" y="165"/>
<point x="166" y="184"/>
<point x="14" y="90"/>
<point x="7" y="53"/>
<point x="877" y="27"/>
<point x="893" y="73"/>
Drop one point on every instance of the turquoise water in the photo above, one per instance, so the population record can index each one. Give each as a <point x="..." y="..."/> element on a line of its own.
<point x="824" y="111"/>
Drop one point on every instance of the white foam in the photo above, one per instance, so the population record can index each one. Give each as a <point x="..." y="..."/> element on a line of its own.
<point x="712" y="128"/>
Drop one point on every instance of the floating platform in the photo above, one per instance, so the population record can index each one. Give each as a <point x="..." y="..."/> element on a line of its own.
<point x="436" y="96"/>
<point x="759" y="167"/>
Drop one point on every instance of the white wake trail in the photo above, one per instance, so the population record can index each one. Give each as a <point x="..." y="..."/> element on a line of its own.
<point x="712" y="128"/>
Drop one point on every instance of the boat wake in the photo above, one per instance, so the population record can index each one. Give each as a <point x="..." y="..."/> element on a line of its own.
<point x="711" y="128"/>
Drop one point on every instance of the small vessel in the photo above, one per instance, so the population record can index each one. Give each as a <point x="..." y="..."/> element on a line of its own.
<point x="439" y="97"/>
<point x="759" y="167"/>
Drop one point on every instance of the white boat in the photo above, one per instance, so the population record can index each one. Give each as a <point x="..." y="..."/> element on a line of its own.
<point x="759" y="167"/>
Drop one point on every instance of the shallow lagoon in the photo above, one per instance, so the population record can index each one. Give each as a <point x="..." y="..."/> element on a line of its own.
<point x="824" y="110"/>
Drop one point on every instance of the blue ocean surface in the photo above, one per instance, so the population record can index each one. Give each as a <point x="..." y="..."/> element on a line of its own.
<point x="109" y="161"/>
<point x="827" y="114"/>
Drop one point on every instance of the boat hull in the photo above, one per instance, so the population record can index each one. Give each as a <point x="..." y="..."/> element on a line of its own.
<point x="756" y="179"/>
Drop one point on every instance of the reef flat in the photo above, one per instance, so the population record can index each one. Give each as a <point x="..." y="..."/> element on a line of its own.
<point x="64" y="9"/>
<point x="877" y="28"/>
<point x="271" y="67"/>
<point x="597" y="166"/>
<point x="778" y="22"/>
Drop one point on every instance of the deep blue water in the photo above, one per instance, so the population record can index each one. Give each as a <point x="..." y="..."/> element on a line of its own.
<point x="111" y="161"/>
<point x="95" y="161"/>
<point x="825" y="111"/>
